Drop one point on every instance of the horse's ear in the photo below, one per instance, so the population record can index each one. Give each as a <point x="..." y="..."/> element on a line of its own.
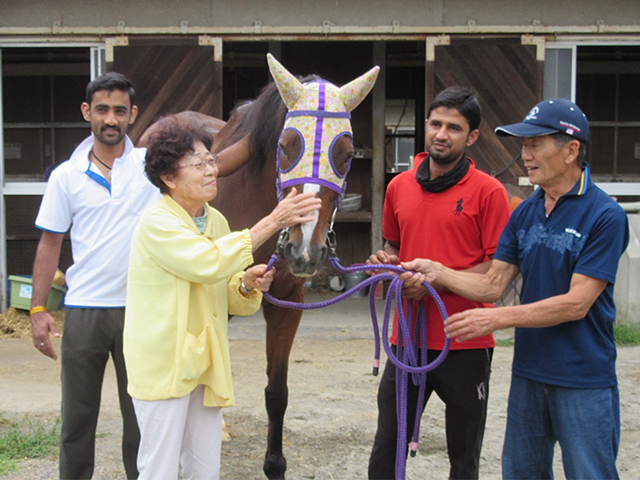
<point x="355" y="91"/>
<point x="290" y="88"/>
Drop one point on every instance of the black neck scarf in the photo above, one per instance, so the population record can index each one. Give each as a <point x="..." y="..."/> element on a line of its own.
<point x="444" y="181"/>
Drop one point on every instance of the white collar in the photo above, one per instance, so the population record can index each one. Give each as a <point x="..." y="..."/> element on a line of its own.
<point x="80" y="155"/>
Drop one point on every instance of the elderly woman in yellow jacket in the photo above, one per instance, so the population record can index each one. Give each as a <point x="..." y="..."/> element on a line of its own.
<point x="185" y="278"/>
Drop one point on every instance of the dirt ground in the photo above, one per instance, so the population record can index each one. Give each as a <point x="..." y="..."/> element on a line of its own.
<point x="331" y="417"/>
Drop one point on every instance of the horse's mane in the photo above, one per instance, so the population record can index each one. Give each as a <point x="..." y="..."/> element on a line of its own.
<point x="262" y="119"/>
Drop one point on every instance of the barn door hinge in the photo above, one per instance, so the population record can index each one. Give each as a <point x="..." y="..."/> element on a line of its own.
<point x="432" y="42"/>
<point x="538" y="42"/>
<point x="215" y="42"/>
<point x="110" y="42"/>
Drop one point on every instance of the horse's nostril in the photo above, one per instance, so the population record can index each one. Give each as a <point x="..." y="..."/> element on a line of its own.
<point x="324" y="252"/>
<point x="292" y="251"/>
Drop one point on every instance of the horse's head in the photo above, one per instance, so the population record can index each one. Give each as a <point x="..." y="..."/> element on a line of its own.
<point x="314" y="155"/>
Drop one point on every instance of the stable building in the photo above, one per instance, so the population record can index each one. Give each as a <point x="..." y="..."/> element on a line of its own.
<point x="209" y="56"/>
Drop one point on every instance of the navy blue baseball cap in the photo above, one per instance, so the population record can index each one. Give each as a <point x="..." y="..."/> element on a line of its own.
<point x="548" y="117"/>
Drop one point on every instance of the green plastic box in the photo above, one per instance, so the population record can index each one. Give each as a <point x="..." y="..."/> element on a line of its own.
<point x="22" y="288"/>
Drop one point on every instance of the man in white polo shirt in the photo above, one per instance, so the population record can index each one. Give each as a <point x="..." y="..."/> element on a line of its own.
<point x="98" y="194"/>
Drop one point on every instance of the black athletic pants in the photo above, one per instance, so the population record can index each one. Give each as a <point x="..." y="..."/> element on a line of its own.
<point x="462" y="383"/>
<point x="90" y="336"/>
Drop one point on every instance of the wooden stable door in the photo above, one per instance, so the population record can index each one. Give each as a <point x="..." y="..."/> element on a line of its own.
<point x="170" y="79"/>
<point x="508" y="81"/>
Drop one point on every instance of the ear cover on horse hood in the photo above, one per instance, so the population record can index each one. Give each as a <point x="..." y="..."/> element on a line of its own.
<point x="290" y="88"/>
<point x="355" y="91"/>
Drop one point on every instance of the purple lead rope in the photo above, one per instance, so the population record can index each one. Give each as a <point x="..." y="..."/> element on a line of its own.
<point x="410" y="344"/>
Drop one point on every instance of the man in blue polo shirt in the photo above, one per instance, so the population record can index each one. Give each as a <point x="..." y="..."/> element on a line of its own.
<point x="566" y="240"/>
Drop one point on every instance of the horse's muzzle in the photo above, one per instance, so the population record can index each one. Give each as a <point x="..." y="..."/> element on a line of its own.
<point x="304" y="262"/>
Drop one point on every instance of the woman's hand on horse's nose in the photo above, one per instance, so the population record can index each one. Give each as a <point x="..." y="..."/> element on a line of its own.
<point x="305" y="199"/>
<point x="294" y="208"/>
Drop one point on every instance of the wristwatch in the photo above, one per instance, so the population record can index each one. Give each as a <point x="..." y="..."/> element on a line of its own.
<point x="243" y="287"/>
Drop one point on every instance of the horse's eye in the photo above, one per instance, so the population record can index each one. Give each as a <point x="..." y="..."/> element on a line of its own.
<point x="290" y="145"/>
<point x="341" y="154"/>
<point x="283" y="150"/>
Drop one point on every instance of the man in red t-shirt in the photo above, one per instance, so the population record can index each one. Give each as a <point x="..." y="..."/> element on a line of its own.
<point x="446" y="210"/>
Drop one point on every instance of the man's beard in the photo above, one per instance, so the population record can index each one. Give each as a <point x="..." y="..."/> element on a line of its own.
<point x="447" y="159"/>
<point x="110" y="140"/>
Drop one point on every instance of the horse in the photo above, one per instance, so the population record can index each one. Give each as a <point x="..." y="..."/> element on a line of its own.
<point x="295" y="134"/>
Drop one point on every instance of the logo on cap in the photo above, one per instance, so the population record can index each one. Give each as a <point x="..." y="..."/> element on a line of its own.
<point x="533" y="114"/>
<point x="570" y="127"/>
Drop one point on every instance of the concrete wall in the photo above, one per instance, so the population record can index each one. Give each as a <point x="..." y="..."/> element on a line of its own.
<point x="239" y="13"/>
<point x="627" y="286"/>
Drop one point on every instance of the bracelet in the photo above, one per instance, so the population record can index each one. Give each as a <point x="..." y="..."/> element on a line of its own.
<point x="37" y="310"/>
<point x="243" y="287"/>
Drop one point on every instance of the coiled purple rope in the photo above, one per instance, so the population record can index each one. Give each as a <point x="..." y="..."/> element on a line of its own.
<point x="406" y="357"/>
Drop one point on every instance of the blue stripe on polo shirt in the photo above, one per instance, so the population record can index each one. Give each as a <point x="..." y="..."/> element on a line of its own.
<point x="580" y="188"/>
<point x="584" y="179"/>
<point x="98" y="178"/>
<point x="50" y="231"/>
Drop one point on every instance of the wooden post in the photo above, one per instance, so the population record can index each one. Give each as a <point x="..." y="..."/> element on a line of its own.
<point x="430" y="72"/>
<point x="378" y="163"/>
<point x="216" y="43"/>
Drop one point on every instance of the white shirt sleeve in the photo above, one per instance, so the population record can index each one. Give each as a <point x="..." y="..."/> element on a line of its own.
<point x="55" y="214"/>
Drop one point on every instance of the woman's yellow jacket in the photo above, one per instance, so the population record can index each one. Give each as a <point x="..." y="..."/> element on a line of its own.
<point x="182" y="286"/>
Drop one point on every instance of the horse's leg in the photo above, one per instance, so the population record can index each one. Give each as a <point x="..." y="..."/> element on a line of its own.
<point x="282" y="324"/>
